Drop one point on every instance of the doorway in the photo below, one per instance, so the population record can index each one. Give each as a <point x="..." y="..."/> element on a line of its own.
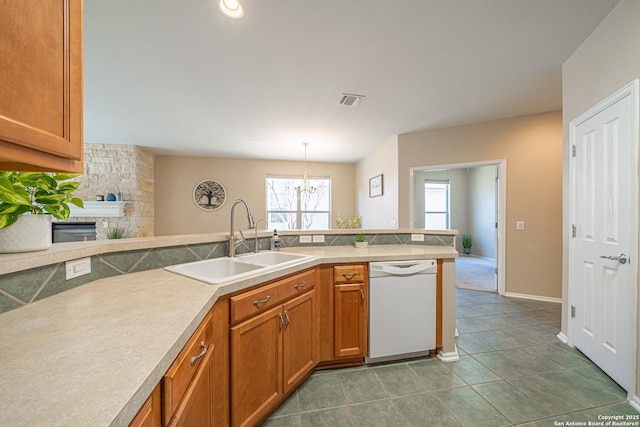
<point x="475" y="205"/>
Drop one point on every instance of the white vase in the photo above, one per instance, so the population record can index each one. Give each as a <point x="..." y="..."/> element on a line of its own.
<point x="28" y="233"/>
<point x="362" y="245"/>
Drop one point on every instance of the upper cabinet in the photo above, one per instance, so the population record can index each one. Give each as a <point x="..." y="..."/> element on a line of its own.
<point x="41" y="85"/>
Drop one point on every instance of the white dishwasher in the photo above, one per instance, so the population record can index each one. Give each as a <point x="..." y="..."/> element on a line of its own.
<point x="402" y="309"/>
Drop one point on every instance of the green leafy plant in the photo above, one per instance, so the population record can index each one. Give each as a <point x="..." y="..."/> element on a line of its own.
<point x="355" y="222"/>
<point x="36" y="193"/>
<point x="118" y="233"/>
<point x="467" y="241"/>
<point x="360" y="238"/>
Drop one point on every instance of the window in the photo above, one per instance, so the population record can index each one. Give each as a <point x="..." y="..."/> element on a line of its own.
<point x="436" y="205"/>
<point x="291" y="208"/>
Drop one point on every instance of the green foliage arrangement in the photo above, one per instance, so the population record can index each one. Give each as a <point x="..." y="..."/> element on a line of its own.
<point x="36" y="193"/>
<point x="360" y="238"/>
<point x="118" y="233"/>
<point x="467" y="241"/>
<point x="355" y="222"/>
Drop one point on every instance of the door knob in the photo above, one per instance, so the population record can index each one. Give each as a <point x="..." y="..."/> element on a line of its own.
<point x="622" y="258"/>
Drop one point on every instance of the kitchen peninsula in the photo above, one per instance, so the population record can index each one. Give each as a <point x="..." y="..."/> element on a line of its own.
<point x="93" y="354"/>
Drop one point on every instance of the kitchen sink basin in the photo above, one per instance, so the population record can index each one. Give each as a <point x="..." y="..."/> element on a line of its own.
<point x="222" y="270"/>
<point x="272" y="258"/>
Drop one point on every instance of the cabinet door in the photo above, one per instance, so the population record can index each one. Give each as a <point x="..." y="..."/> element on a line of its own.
<point x="299" y="339"/>
<point x="41" y="84"/>
<point x="350" y="320"/>
<point x="256" y="367"/>
<point x="150" y="413"/>
<point x="196" y="407"/>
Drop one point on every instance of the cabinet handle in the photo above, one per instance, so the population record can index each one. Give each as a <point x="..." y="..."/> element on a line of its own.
<point x="362" y="296"/>
<point x="286" y="317"/>
<point x="300" y="285"/>
<point x="194" y="359"/>
<point x="349" y="276"/>
<point x="261" y="301"/>
<point x="281" y="323"/>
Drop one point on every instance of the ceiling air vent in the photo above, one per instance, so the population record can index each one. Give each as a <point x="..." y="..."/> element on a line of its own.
<point x="350" y="100"/>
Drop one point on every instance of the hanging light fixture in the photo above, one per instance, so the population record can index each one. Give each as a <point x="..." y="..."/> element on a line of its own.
<point x="232" y="8"/>
<point x="305" y="185"/>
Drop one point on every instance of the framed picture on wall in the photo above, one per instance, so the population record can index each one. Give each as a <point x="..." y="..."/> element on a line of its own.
<point x="375" y="186"/>
<point x="209" y="195"/>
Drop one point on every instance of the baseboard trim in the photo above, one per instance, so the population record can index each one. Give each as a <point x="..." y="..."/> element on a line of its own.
<point x="635" y="402"/>
<point x="533" y="297"/>
<point x="562" y="337"/>
<point x="451" y="356"/>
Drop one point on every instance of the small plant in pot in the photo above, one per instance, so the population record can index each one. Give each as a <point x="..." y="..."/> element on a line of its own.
<point x="467" y="242"/>
<point x="28" y="200"/>
<point x="361" y="241"/>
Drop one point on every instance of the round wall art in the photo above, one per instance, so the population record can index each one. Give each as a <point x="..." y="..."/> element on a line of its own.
<point x="209" y="195"/>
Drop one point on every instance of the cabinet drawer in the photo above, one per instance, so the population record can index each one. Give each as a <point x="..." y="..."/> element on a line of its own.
<point x="349" y="274"/>
<point x="253" y="302"/>
<point x="183" y="369"/>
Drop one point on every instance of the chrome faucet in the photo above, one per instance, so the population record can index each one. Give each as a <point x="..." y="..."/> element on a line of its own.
<point x="257" y="245"/>
<point x="233" y="243"/>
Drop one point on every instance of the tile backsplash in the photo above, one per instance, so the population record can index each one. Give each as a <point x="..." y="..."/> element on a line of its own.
<point x="27" y="286"/>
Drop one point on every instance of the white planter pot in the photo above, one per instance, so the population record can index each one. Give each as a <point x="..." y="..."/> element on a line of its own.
<point x="362" y="245"/>
<point x="29" y="233"/>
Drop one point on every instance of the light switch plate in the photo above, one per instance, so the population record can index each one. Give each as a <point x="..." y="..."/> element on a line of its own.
<point x="318" y="238"/>
<point x="394" y="223"/>
<point x="520" y="225"/>
<point x="305" y="239"/>
<point x="77" y="268"/>
<point x="417" y="237"/>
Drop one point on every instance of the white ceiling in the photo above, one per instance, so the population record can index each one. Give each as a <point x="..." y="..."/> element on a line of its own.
<point x="179" y="76"/>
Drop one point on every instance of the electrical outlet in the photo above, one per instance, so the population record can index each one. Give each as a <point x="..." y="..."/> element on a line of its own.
<point x="105" y="224"/>
<point x="417" y="237"/>
<point x="305" y="239"/>
<point x="77" y="267"/>
<point x="520" y="225"/>
<point x="318" y="238"/>
<point x="394" y="223"/>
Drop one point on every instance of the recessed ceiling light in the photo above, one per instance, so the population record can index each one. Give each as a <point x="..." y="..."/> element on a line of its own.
<point x="231" y="8"/>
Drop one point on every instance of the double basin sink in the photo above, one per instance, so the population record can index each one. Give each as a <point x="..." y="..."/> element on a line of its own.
<point x="218" y="271"/>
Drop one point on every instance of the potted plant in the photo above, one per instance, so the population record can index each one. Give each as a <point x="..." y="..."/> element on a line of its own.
<point x="467" y="242"/>
<point x="28" y="200"/>
<point x="361" y="241"/>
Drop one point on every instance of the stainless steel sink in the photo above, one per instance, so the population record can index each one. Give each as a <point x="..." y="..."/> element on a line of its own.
<point x="222" y="270"/>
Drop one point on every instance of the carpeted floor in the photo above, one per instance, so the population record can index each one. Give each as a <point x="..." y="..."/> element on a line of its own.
<point x="475" y="273"/>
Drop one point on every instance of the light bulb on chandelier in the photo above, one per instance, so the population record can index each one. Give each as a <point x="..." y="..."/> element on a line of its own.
<point x="305" y="185"/>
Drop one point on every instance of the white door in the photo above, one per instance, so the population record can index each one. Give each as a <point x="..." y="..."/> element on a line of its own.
<point x="604" y="257"/>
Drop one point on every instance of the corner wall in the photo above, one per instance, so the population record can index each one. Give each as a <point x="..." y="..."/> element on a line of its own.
<point x="607" y="60"/>
<point x="378" y="212"/>
<point x="532" y="148"/>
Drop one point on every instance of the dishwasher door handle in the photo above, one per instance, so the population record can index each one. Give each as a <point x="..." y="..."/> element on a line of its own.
<point x="403" y="270"/>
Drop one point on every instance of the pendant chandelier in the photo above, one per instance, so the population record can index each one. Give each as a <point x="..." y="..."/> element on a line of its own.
<point x="305" y="185"/>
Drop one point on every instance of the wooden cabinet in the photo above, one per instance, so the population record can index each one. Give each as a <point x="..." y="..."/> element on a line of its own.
<point x="150" y="415"/>
<point x="271" y="351"/>
<point x="350" y="311"/>
<point x="187" y="387"/>
<point x="41" y="85"/>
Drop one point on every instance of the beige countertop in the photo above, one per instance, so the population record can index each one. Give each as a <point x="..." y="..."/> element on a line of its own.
<point x="93" y="354"/>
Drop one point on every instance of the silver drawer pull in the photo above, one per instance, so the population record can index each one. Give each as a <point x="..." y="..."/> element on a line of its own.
<point x="300" y="285"/>
<point x="282" y="324"/>
<point x="349" y="276"/>
<point x="261" y="301"/>
<point x="194" y="359"/>
<point x="286" y="317"/>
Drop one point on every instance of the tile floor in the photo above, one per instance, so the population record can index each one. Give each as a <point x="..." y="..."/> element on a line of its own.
<point x="512" y="371"/>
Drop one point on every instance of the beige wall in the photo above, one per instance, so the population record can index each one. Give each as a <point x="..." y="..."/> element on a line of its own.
<point x="532" y="148"/>
<point x="379" y="212"/>
<point x="607" y="60"/>
<point x="482" y="207"/>
<point x="175" y="178"/>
